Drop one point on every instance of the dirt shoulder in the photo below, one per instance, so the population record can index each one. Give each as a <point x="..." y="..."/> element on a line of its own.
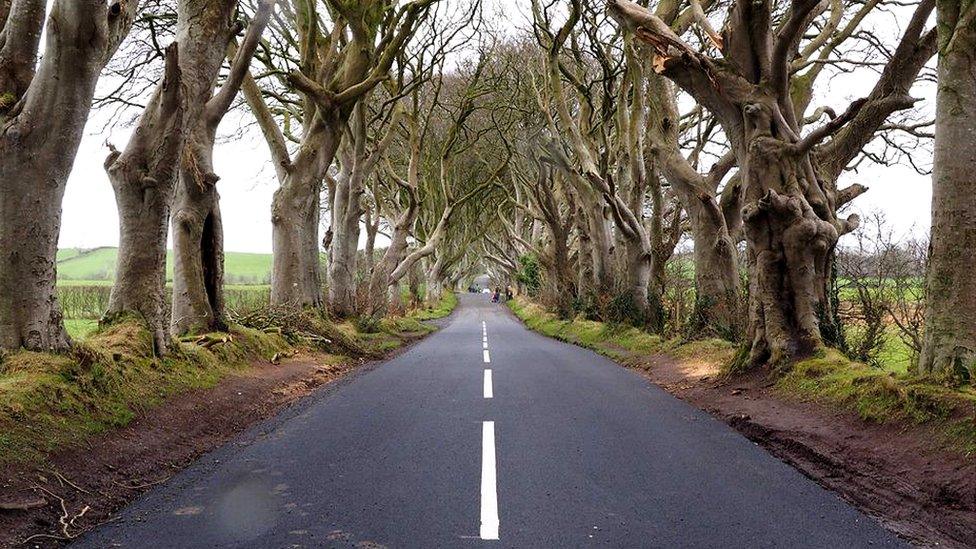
<point x="922" y="491"/>
<point x="80" y="488"/>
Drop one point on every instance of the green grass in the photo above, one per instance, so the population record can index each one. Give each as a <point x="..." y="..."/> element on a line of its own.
<point x="52" y="401"/>
<point x="624" y="343"/>
<point x="68" y="253"/>
<point x="443" y="308"/>
<point x="894" y="354"/>
<point x="80" y="328"/>
<point x="885" y="397"/>
<point x="98" y="264"/>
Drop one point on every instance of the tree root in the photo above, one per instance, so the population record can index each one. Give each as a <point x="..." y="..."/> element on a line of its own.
<point x="67" y="520"/>
<point x="208" y="340"/>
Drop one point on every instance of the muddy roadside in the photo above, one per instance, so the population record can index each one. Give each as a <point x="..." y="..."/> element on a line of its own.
<point x="80" y="488"/>
<point x="917" y="488"/>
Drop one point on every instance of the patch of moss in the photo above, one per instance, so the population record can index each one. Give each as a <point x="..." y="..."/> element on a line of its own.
<point x="620" y="342"/>
<point x="51" y="401"/>
<point x="884" y="397"/>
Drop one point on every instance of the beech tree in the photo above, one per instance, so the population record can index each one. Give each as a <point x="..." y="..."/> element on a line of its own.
<point x="949" y="346"/>
<point x="198" y="242"/>
<point x="332" y="69"/>
<point x="789" y="180"/>
<point x="175" y="135"/>
<point x="358" y="164"/>
<point x="548" y="200"/>
<point x="445" y="173"/>
<point x="602" y="118"/>
<point x="45" y="101"/>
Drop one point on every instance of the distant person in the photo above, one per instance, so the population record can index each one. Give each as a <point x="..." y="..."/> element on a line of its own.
<point x="496" y="296"/>
<point x="508" y="293"/>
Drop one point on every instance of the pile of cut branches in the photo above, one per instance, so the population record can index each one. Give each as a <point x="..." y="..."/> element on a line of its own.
<point x="300" y="327"/>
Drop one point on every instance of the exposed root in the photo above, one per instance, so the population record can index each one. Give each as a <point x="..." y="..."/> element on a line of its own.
<point x="67" y="520"/>
<point x="208" y="340"/>
<point x="64" y="481"/>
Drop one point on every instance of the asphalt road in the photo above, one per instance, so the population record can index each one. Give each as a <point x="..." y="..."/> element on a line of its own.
<point x="585" y="453"/>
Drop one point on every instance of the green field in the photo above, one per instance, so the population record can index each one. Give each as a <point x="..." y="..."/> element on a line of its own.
<point x="97" y="266"/>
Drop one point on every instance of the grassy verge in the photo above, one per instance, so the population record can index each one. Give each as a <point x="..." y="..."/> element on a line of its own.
<point x="625" y="344"/>
<point x="80" y="328"/>
<point x="445" y="307"/>
<point x="886" y="397"/>
<point x="387" y="334"/>
<point x="49" y="402"/>
<point x="875" y="394"/>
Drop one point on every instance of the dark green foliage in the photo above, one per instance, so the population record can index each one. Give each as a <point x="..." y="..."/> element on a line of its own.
<point x="529" y="274"/>
<point x="367" y="324"/>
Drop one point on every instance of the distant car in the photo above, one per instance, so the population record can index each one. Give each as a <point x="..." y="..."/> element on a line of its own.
<point x="485" y="291"/>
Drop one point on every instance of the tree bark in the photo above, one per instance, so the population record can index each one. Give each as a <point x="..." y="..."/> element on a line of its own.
<point x="142" y="177"/>
<point x="949" y="346"/>
<point x="198" y="261"/>
<point x="295" y="278"/>
<point x="39" y="139"/>
<point x="198" y="239"/>
<point x="382" y="289"/>
<point x="434" y="289"/>
<point x="167" y="142"/>
<point x="346" y="211"/>
<point x="716" y="271"/>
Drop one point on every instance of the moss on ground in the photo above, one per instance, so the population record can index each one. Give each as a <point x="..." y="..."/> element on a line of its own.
<point x="885" y="397"/>
<point x="620" y="342"/>
<point x="48" y="401"/>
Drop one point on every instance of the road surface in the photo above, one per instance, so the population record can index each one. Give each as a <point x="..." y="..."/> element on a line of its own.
<point x="486" y="434"/>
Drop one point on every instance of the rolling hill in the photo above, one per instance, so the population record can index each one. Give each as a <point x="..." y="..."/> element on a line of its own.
<point x="98" y="265"/>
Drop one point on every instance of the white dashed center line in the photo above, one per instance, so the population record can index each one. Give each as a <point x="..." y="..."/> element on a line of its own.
<point x="488" y="392"/>
<point x="489" y="494"/>
<point x="487" y="357"/>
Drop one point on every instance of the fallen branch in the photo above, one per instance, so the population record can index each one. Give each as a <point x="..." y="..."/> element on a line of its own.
<point x="23" y="505"/>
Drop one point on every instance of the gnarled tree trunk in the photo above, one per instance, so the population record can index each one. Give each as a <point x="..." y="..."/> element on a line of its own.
<point x="346" y="211"/>
<point x="381" y="290"/>
<point x="790" y="203"/>
<point x="198" y="238"/>
<point x="949" y="347"/>
<point x="44" y="119"/>
<point x="144" y="176"/>
<point x="198" y="260"/>
<point x="435" y="276"/>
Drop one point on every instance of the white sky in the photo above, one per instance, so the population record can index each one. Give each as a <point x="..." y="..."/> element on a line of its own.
<point x="248" y="182"/>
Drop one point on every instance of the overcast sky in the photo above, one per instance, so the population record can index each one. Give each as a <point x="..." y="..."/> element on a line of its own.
<point x="247" y="181"/>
